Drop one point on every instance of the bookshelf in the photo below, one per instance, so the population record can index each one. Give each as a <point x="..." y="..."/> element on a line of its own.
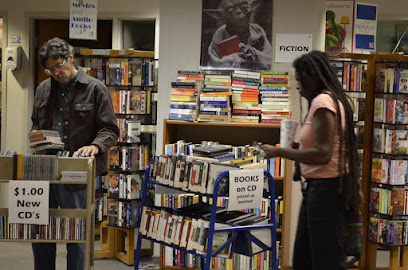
<point x="375" y="62"/>
<point x="130" y="76"/>
<point x="9" y="167"/>
<point x="239" y="134"/>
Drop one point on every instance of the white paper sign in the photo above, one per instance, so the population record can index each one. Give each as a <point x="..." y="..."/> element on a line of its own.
<point x="290" y="46"/>
<point x="16" y="38"/>
<point x="245" y="189"/>
<point x="29" y="202"/>
<point x="83" y="19"/>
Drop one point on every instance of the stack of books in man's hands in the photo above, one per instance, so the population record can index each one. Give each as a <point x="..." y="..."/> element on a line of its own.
<point x="44" y="140"/>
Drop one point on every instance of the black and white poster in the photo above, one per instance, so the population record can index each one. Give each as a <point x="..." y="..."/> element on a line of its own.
<point x="236" y="34"/>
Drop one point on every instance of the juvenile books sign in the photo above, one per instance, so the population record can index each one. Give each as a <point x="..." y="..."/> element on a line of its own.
<point x="29" y="202"/>
<point x="83" y="19"/>
<point x="245" y="189"/>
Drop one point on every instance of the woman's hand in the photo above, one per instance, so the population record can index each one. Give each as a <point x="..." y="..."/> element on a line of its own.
<point x="270" y="150"/>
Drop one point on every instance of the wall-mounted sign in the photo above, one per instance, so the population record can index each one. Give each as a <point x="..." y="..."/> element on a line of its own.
<point x="83" y="19"/>
<point x="291" y="46"/>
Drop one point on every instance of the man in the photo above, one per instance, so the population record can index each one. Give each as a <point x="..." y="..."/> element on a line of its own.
<point x="80" y="108"/>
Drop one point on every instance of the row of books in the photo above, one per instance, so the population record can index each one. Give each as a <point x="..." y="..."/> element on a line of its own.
<point x="58" y="228"/>
<point x="191" y="233"/>
<point x="390" y="141"/>
<point x="391" y="80"/>
<point x="180" y="258"/>
<point x="391" y="111"/>
<point x="123" y="214"/>
<point x="389" y="201"/>
<point x="195" y="174"/>
<point x="135" y="72"/>
<point x="129" y="158"/>
<point x="131" y="101"/>
<point x="388" y="232"/>
<point x="129" y="130"/>
<point x="352" y="75"/>
<point x="358" y="106"/>
<point x="388" y="171"/>
<point x="125" y="186"/>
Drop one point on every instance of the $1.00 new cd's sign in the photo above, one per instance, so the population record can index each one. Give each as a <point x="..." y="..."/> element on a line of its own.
<point x="29" y="202"/>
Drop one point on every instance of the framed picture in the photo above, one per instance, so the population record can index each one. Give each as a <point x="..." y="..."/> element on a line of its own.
<point x="236" y="34"/>
<point x="401" y="30"/>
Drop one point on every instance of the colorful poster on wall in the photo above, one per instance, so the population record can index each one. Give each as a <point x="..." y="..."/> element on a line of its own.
<point x="365" y="27"/>
<point x="236" y="34"/>
<point x="339" y="27"/>
<point x="83" y="19"/>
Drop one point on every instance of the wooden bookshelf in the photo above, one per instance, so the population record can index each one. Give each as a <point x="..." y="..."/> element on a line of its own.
<point x="398" y="254"/>
<point x="238" y="134"/>
<point x="63" y="164"/>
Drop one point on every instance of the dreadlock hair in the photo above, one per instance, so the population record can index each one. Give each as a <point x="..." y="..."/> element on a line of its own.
<point x="317" y="65"/>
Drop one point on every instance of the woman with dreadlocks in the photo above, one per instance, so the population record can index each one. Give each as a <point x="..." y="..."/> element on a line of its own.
<point x="327" y="155"/>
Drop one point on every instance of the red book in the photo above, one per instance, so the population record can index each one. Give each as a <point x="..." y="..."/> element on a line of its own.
<point x="229" y="46"/>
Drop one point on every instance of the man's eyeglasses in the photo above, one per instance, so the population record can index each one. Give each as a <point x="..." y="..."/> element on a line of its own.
<point x="58" y="66"/>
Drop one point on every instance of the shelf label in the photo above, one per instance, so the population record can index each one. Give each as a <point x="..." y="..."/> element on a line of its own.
<point x="29" y="202"/>
<point x="245" y="189"/>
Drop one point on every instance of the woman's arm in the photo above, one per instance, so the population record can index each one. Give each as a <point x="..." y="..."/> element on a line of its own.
<point x="323" y="131"/>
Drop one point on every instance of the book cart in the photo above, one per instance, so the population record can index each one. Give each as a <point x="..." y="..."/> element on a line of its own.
<point x="240" y="134"/>
<point x="239" y="233"/>
<point x="130" y="76"/>
<point x="380" y="198"/>
<point x="11" y="169"/>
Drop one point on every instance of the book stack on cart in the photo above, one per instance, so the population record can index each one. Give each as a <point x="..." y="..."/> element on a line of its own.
<point x="45" y="140"/>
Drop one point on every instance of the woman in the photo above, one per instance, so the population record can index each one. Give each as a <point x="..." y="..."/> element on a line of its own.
<point x="328" y="161"/>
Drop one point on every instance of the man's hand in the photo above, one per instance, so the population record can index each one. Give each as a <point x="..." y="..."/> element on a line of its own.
<point x="86" y="151"/>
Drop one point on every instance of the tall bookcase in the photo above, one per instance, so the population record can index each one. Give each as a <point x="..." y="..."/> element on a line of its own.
<point x="238" y="134"/>
<point x="8" y="167"/>
<point x="399" y="253"/>
<point x="131" y="79"/>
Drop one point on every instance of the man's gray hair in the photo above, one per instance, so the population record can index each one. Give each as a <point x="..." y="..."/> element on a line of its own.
<point x="54" y="48"/>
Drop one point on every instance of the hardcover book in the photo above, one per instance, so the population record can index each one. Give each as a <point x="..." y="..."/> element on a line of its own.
<point x="229" y="46"/>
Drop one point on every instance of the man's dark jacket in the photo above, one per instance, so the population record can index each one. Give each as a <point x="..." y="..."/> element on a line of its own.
<point x="89" y="120"/>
